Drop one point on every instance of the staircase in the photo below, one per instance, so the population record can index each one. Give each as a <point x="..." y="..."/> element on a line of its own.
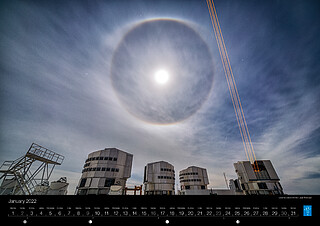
<point x="18" y="178"/>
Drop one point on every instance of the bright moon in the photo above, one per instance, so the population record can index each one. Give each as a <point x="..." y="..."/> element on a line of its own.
<point x="161" y="76"/>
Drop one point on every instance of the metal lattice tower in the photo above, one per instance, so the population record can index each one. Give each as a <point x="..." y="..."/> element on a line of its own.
<point x="19" y="177"/>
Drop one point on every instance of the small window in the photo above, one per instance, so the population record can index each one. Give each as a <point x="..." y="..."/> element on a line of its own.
<point x="103" y="169"/>
<point x="112" y="169"/>
<point x="98" y="168"/>
<point x="108" y="169"/>
<point x="108" y="182"/>
<point x="262" y="185"/>
<point x="161" y="169"/>
<point x="100" y="158"/>
<point x="106" y="158"/>
<point x="117" y="170"/>
<point x="115" y="159"/>
<point x="110" y="158"/>
<point x="187" y="187"/>
<point x="83" y="182"/>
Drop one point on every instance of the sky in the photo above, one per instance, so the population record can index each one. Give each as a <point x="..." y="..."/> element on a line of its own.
<point x="78" y="76"/>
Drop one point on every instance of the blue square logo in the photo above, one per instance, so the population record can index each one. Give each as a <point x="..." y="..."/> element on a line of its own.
<point x="307" y="210"/>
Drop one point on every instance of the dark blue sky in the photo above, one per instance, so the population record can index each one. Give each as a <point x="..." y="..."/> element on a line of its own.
<point x="56" y="58"/>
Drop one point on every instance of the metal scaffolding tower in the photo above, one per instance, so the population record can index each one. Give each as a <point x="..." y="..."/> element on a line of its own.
<point x="19" y="177"/>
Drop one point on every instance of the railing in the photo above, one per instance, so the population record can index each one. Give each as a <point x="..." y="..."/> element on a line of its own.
<point x="6" y="165"/>
<point x="45" y="153"/>
<point x="23" y="179"/>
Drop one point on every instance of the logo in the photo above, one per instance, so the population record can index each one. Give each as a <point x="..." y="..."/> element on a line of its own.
<point x="307" y="210"/>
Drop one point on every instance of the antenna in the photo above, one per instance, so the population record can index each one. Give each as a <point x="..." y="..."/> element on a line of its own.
<point x="225" y="179"/>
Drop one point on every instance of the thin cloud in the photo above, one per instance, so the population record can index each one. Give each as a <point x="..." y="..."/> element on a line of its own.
<point x="56" y="88"/>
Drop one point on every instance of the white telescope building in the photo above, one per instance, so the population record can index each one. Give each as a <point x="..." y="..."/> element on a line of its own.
<point x="194" y="181"/>
<point x="103" y="169"/>
<point x="263" y="181"/>
<point x="159" y="178"/>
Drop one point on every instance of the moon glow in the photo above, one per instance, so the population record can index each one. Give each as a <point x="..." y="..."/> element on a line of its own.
<point x="161" y="76"/>
<point x="162" y="71"/>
